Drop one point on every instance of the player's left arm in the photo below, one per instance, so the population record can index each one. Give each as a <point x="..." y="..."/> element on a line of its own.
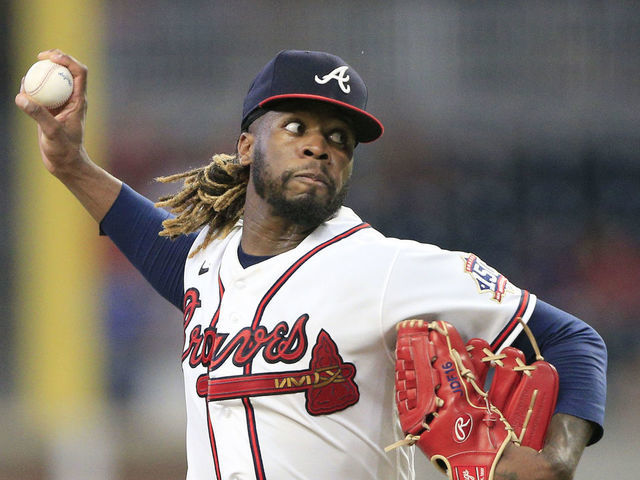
<point x="580" y="356"/>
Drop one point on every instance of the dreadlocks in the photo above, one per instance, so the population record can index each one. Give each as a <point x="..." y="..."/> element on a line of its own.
<point x="212" y="195"/>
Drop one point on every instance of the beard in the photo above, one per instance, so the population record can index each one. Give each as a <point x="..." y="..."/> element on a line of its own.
<point x="308" y="210"/>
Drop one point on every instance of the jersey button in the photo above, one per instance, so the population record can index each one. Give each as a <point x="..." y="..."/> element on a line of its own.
<point x="240" y="284"/>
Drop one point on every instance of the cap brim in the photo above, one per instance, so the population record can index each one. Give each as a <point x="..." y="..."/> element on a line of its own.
<point x="367" y="127"/>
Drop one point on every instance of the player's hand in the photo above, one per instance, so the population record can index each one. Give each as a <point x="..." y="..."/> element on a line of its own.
<point x="558" y="460"/>
<point x="61" y="130"/>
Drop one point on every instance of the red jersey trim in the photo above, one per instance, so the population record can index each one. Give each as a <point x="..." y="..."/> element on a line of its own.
<point x="513" y="323"/>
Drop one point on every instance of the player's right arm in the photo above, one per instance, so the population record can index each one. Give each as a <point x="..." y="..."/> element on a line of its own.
<point x="130" y="220"/>
<point x="60" y="138"/>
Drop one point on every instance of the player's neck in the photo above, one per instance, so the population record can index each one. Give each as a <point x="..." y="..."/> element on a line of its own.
<point x="266" y="234"/>
<point x="266" y="242"/>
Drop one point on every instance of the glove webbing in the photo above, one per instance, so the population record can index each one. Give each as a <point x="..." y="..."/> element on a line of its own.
<point x="496" y="358"/>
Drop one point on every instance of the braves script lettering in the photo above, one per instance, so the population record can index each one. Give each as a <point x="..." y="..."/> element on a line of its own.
<point x="211" y="348"/>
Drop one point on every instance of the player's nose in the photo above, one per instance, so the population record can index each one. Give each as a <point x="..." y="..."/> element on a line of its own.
<point x="315" y="145"/>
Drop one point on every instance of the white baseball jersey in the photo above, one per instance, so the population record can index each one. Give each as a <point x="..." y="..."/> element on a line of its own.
<point x="289" y="363"/>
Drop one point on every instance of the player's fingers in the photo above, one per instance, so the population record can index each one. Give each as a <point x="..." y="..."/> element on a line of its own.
<point x="76" y="68"/>
<point x="40" y="114"/>
<point x="47" y="53"/>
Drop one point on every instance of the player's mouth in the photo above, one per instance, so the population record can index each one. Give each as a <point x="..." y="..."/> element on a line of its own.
<point x="313" y="178"/>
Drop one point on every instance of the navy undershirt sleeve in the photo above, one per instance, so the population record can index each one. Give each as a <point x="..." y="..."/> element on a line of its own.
<point x="133" y="223"/>
<point x="580" y="356"/>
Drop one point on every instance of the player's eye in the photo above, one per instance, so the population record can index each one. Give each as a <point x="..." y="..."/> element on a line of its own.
<point x="342" y="138"/>
<point x="338" y="136"/>
<point x="294" y="127"/>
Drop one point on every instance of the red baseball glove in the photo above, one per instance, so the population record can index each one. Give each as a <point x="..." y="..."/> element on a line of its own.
<point x="444" y="409"/>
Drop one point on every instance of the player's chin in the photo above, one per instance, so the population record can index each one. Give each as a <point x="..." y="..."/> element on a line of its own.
<point x="305" y="209"/>
<point x="319" y="194"/>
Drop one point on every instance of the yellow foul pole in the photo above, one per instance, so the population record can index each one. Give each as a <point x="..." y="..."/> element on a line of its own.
<point x="58" y="314"/>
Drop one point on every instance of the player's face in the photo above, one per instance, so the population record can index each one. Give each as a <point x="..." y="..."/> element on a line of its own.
<point x="302" y="162"/>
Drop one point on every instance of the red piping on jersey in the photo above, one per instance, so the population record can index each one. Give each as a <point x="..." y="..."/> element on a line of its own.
<point x="253" y="439"/>
<point x="212" y="442"/>
<point x="513" y="323"/>
<point x="212" y="438"/>
<point x="251" y="421"/>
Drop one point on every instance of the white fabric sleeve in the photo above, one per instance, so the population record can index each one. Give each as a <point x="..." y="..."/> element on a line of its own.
<point x="430" y="283"/>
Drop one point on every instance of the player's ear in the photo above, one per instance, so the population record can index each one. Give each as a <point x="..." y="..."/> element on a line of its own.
<point x="245" y="148"/>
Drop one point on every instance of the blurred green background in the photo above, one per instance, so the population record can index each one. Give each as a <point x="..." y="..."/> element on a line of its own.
<point x="512" y="130"/>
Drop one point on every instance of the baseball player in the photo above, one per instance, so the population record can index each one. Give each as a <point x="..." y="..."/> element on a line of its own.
<point x="290" y="300"/>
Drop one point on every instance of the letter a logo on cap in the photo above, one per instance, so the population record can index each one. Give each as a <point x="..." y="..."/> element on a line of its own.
<point x="340" y="75"/>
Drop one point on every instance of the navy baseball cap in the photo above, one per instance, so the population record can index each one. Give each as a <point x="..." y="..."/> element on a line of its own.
<point x="317" y="76"/>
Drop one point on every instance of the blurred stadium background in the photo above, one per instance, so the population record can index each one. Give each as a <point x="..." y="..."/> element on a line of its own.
<point x="512" y="130"/>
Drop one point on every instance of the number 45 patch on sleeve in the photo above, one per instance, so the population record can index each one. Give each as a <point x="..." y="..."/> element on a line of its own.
<point x="487" y="279"/>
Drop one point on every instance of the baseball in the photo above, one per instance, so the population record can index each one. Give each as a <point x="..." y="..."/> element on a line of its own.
<point x="48" y="83"/>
